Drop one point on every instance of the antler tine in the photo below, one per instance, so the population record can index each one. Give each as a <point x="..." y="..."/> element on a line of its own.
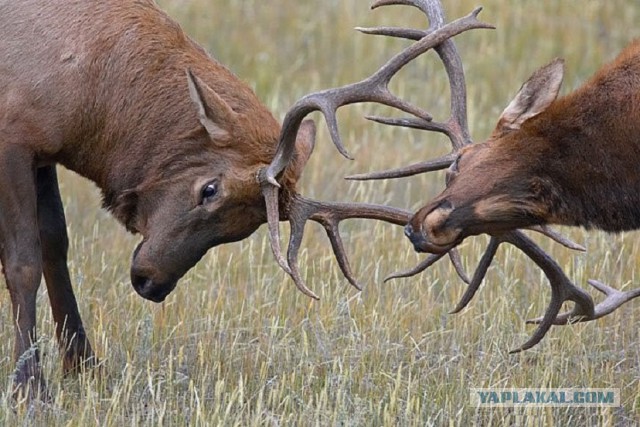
<point x="409" y="122"/>
<point x="614" y="299"/>
<point x="438" y="163"/>
<point x="270" y="194"/>
<point x="414" y="169"/>
<point x="456" y="261"/>
<point x="297" y="221"/>
<point x="478" y="276"/>
<point x="454" y="256"/>
<point x="557" y="237"/>
<point x="473" y="284"/>
<point x="433" y="11"/>
<point x="402" y="33"/>
<point x="422" y="266"/>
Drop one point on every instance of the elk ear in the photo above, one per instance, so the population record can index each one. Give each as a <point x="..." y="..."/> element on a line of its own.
<point x="535" y="95"/>
<point x="215" y="115"/>
<point x="305" y="141"/>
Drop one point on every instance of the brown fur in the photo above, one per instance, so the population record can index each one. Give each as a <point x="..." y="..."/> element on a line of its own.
<point x="101" y="87"/>
<point x="575" y="161"/>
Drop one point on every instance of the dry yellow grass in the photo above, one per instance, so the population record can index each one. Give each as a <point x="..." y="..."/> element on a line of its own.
<point x="236" y="344"/>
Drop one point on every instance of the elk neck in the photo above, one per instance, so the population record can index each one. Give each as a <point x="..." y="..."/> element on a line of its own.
<point x="129" y="117"/>
<point x="589" y="149"/>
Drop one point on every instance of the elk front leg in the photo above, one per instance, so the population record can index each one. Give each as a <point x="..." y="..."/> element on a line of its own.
<point x="21" y="260"/>
<point x="76" y="349"/>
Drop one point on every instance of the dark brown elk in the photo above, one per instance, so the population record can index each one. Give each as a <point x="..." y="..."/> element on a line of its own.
<point x="183" y="152"/>
<point x="570" y="161"/>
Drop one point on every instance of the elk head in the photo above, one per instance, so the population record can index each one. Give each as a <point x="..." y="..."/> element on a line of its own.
<point x="495" y="187"/>
<point x="498" y="185"/>
<point x="207" y="193"/>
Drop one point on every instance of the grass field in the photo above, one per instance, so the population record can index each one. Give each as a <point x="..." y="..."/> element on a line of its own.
<point x="237" y="344"/>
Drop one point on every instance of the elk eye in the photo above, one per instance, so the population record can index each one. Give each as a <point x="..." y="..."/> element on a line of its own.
<point x="208" y="192"/>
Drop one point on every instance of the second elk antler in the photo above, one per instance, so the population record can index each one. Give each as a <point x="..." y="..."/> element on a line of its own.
<point x="444" y="237"/>
<point x="298" y="209"/>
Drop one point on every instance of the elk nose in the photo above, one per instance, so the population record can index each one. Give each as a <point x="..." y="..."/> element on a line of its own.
<point x="415" y="237"/>
<point x="147" y="289"/>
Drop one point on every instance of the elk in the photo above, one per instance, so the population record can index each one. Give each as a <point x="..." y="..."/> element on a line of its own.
<point x="569" y="161"/>
<point x="179" y="147"/>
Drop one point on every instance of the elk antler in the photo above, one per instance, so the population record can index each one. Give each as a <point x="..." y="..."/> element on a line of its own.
<point x="456" y="129"/>
<point x="614" y="299"/>
<point x="372" y="89"/>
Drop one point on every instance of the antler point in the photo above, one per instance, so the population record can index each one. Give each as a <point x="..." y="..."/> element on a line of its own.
<point x="273" y="181"/>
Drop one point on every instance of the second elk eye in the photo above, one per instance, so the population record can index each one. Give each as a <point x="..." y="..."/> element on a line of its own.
<point x="209" y="191"/>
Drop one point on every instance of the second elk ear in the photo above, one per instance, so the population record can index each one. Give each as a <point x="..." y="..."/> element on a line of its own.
<point x="535" y="96"/>
<point x="305" y="142"/>
<point x="214" y="114"/>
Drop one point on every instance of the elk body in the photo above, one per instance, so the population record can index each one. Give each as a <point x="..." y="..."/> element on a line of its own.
<point x="101" y="87"/>
<point x="115" y="91"/>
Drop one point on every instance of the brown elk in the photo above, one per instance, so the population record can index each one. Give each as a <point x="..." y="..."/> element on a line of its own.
<point x="569" y="161"/>
<point x="183" y="152"/>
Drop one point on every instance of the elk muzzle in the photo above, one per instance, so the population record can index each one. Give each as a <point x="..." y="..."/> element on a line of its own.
<point x="146" y="285"/>
<point x="149" y="289"/>
<point x="429" y="229"/>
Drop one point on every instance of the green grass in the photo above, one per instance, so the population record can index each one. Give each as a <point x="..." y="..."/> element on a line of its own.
<point x="237" y="344"/>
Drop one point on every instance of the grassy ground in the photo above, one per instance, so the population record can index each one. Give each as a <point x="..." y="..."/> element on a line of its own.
<point x="236" y="344"/>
